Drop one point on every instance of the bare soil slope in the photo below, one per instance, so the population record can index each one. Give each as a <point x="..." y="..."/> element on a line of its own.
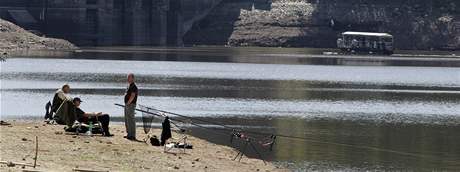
<point x="14" y="38"/>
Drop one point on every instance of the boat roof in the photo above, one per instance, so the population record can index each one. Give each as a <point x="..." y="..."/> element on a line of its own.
<point x="367" y="34"/>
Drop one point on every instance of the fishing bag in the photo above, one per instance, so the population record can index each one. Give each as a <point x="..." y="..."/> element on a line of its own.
<point x="154" y="141"/>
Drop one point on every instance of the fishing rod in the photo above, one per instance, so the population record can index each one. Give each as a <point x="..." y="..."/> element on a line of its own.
<point x="231" y="128"/>
<point x="244" y="131"/>
<point x="273" y="136"/>
<point x="235" y="132"/>
<point x="241" y="134"/>
<point x="173" y="119"/>
<point x="247" y="140"/>
<point x="192" y="118"/>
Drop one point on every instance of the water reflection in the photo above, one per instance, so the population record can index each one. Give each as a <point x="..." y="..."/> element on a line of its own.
<point x="152" y="71"/>
<point x="257" y="55"/>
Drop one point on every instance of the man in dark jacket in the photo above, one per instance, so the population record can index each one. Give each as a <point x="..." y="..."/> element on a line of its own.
<point x="94" y="117"/>
<point x="130" y="106"/>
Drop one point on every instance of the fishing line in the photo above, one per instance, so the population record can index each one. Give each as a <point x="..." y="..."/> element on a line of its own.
<point x="192" y="118"/>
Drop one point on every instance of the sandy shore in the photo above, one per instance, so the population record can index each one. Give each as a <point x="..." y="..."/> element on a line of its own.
<point x="59" y="151"/>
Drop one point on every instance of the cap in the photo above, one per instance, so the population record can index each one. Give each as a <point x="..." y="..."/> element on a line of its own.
<point x="77" y="99"/>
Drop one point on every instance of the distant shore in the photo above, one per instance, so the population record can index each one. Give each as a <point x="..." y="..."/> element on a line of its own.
<point x="60" y="151"/>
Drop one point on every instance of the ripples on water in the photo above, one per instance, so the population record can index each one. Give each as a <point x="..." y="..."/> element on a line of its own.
<point x="380" y="103"/>
<point x="347" y="92"/>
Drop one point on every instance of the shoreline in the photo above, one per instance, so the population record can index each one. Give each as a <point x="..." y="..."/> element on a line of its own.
<point x="59" y="151"/>
<point x="269" y="53"/>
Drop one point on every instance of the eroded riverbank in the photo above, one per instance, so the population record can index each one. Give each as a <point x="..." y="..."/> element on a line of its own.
<point x="15" y="40"/>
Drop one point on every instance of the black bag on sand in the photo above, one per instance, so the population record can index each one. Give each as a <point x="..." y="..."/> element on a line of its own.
<point x="154" y="141"/>
<point x="166" y="132"/>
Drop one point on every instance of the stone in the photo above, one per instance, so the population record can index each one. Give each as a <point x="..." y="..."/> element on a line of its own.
<point x="10" y="164"/>
<point x="24" y="139"/>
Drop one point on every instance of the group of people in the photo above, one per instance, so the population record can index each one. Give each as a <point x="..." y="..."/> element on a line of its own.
<point x="65" y="110"/>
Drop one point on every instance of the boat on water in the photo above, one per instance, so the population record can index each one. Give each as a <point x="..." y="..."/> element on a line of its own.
<point x="369" y="42"/>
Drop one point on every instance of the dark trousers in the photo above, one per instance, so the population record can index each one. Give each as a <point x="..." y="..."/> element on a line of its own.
<point x="104" y="120"/>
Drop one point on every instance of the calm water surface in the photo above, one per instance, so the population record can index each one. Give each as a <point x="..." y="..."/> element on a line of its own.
<point x="358" y="113"/>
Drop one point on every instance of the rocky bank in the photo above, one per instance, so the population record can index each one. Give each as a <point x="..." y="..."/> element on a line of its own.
<point x="416" y="24"/>
<point x="14" y="39"/>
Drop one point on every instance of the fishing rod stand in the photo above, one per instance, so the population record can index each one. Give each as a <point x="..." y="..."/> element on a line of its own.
<point x="247" y="142"/>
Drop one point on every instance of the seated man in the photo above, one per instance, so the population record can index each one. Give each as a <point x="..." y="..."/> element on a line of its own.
<point x="86" y="117"/>
<point x="63" y="107"/>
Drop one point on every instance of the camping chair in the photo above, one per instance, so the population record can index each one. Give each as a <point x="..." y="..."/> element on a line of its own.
<point x="57" y="116"/>
<point x="49" y="114"/>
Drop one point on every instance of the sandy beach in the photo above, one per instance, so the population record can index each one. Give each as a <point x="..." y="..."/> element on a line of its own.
<point x="60" y="151"/>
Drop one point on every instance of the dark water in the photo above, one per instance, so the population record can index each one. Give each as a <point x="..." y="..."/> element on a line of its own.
<point x="357" y="113"/>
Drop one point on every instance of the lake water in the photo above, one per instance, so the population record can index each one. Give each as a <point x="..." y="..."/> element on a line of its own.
<point x="356" y="112"/>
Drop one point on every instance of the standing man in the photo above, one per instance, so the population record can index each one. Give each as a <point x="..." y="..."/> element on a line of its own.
<point x="130" y="106"/>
